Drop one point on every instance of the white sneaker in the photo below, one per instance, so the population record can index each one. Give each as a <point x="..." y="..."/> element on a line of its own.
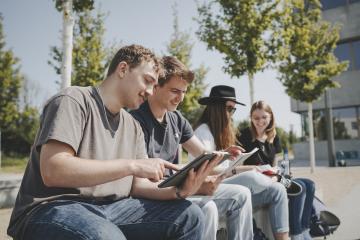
<point x="297" y="237"/>
<point x="306" y="234"/>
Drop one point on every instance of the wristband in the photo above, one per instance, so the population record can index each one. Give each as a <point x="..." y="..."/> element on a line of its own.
<point x="177" y="193"/>
<point x="233" y="171"/>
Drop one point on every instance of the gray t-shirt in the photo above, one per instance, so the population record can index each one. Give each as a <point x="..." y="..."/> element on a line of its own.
<point x="76" y="116"/>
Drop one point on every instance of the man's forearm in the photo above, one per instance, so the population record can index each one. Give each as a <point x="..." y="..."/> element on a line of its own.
<point x="143" y="188"/>
<point x="74" y="172"/>
<point x="59" y="167"/>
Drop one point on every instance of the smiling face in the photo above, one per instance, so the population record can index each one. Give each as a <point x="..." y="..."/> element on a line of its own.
<point x="171" y="94"/>
<point x="260" y="120"/>
<point x="137" y="83"/>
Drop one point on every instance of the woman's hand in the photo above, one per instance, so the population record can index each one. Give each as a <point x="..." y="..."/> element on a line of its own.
<point x="235" y="151"/>
<point x="210" y="185"/>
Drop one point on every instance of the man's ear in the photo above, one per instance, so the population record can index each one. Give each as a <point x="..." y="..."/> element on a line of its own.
<point x="121" y="69"/>
<point x="156" y="87"/>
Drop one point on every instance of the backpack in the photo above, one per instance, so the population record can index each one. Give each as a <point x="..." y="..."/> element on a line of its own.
<point x="323" y="222"/>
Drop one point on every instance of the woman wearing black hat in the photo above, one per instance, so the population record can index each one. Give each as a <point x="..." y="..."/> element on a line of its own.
<point x="215" y="130"/>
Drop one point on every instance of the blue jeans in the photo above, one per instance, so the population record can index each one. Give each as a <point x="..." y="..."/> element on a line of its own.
<point x="234" y="206"/>
<point x="124" y="219"/>
<point x="266" y="193"/>
<point x="275" y="198"/>
<point x="300" y="206"/>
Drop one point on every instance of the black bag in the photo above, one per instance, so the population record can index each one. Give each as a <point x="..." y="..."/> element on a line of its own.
<point x="323" y="222"/>
<point x="258" y="234"/>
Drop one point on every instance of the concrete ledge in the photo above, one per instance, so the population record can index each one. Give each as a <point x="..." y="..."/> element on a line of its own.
<point x="9" y="187"/>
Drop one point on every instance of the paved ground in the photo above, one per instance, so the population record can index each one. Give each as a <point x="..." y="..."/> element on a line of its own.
<point x="338" y="187"/>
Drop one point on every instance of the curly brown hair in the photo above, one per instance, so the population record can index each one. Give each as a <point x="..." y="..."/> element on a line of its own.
<point x="174" y="67"/>
<point x="134" y="55"/>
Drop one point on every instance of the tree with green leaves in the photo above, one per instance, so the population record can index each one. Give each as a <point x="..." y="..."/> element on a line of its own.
<point x="90" y="55"/>
<point x="238" y="29"/>
<point x="17" y="123"/>
<point x="10" y="84"/>
<point x="67" y="7"/>
<point x="181" y="46"/>
<point x="309" y="65"/>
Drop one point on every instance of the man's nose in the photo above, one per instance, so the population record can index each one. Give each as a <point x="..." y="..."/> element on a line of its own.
<point x="181" y="96"/>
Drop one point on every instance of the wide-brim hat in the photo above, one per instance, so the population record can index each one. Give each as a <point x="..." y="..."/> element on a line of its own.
<point x="220" y="93"/>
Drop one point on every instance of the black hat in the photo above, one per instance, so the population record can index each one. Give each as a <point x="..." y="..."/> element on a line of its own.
<point x="220" y="93"/>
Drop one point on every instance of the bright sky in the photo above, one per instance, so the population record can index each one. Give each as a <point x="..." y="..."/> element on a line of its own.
<point x="32" y="27"/>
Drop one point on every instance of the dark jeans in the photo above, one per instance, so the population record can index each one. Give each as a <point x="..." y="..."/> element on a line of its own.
<point x="300" y="206"/>
<point x="124" y="219"/>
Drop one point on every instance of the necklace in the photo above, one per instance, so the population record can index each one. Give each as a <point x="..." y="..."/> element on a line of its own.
<point x="112" y="131"/>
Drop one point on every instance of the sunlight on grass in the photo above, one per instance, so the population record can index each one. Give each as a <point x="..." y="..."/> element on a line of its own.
<point x="13" y="164"/>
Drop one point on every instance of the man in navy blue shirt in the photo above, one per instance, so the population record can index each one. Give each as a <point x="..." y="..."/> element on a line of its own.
<point x="165" y="128"/>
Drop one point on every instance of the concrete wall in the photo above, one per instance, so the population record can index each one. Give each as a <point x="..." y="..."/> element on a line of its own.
<point x="348" y="16"/>
<point x="347" y="95"/>
<point x="9" y="187"/>
<point x="301" y="150"/>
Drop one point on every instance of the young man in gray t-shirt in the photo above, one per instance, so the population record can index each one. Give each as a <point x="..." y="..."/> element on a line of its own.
<point x="89" y="157"/>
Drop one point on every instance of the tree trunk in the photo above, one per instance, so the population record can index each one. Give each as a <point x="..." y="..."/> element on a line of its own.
<point x="67" y="40"/>
<point x="330" y="129"/>
<point x="311" y="138"/>
<point x="251" y="89"/>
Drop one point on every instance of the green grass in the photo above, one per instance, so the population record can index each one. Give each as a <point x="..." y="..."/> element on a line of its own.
<point x="13" y="164"/>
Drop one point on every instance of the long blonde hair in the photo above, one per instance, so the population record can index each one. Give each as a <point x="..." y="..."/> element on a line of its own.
<point x="220" y="124"/>
<point x="270" y="129"/>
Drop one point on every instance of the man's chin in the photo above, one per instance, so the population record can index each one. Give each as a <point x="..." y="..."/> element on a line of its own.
<point x="172" y="109"/>
<point x="134" y="106"/>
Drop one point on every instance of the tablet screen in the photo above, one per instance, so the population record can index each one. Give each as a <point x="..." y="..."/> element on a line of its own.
<point x="178" y="178"/>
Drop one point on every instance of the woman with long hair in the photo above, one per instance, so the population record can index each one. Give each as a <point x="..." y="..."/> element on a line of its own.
<point x="262" y="134"/>
<point x="215" y="130"/>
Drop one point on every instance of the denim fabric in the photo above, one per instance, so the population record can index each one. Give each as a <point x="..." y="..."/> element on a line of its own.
<point x="234" y="204"/>
<point x="211" y="214"/>
<point x="300" y="206"/>
<point x="211" y="223"/>
<point x="266" y="193"/>
<point x="275" y="198"/>
<point x="124" y="219"/>
<point x="255" y="181"/>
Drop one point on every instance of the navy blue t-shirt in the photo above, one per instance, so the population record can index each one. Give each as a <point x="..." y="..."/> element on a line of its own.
<point x="265" y="154"/>
<point x="162" y="139"/>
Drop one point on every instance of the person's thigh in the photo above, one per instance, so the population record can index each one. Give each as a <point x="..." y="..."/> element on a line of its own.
<point x="150" y="219"/>
<point x="255" y="181"/>
<point x="296" y="208"/>
<point x="275" y="199"/>
<point x="309" y="198"/>
<point x="234" y="203"/>
<point x="70" y="220"/>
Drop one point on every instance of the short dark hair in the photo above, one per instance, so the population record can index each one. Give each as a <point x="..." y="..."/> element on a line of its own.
<point x="173" y="67"/>
<point x="134" y="55"/>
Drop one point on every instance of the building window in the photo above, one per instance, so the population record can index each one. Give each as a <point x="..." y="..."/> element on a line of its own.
<point x="342" y="52"/>
<point x="353" y="1"/>
<point x="328" y="4"/>
<point x="356" y="52"/>
<point x="349" y="51"/>
<point x="345" y="124"/>
<point x="342" y="120"/>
